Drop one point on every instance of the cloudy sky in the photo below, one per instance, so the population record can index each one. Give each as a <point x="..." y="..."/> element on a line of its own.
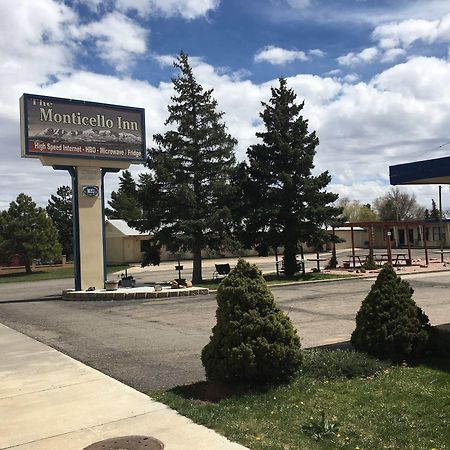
<point x="375" y="75"/>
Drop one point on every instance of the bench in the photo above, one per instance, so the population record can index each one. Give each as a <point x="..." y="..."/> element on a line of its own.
<point x="222" y="270"/>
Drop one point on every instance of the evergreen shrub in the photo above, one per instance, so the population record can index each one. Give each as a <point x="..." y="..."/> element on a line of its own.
<point x="333" y="263"/>
<point x="253" y="340"/>
<point x="389" y="324"/>
<point x="370" y="264"/>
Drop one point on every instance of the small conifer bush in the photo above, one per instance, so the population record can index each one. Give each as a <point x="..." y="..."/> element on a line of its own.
<point x="253" y="340"/>
<point x="389" y="324"/>
<point x="370" y="264"/>
<point x="333" y="263"/>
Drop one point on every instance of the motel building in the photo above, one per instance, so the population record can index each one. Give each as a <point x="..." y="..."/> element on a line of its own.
<point x="126" y="245"/>
<point x="417" y="234"/>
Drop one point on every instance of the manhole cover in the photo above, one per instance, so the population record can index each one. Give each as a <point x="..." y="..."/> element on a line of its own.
<point x="127" y="443"/>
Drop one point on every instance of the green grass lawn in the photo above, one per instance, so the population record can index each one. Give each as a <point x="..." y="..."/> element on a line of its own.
<point x="272" y="278"/>
<point x="398" y="408"/>
<point x="47" y="273"/>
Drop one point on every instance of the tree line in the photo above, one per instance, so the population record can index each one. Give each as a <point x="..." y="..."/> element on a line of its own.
<point x="195" y="195"/>
<point x="395" y="205"/>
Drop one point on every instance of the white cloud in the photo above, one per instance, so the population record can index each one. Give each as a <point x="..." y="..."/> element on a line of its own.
<point x="164" y="60"/>
<point x="393" y="39"/>
<point x="118" y="39"/>
<point x="278" y="55"/>
<point x="334" y="72"/>
<point x="188" y="9"/>
<point x="365" y="56"/>
<point x="317" y="52"/>
<point x="35" y="47"/>
<point x="354" y="12"/>
<point x="363" y="127"/>
<point x="363" y="192"/>
<point x="299" y="4"/>
<point x="422" y="78"/>
<point x="351" y="77"/>
<point x="392" y="54"/>
<point x="403" y="34"/>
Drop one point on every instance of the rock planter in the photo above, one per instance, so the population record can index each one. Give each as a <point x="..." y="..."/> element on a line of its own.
<point x="111" y="285"/>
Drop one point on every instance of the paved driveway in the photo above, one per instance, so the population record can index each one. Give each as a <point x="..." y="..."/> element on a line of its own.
<point x="157" y="344"/>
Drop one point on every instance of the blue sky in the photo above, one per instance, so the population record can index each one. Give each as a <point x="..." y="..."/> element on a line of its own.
<point x="375" y="75"/>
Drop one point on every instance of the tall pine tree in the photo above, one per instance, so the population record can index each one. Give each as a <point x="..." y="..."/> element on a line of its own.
<point x="27" y="231"/>
<point x="285" y="203"/>
<point x="124" y="202"/>
<point x="191" y="167"/>
<point x="59" y="209"/>
<point x="434" y="213"/>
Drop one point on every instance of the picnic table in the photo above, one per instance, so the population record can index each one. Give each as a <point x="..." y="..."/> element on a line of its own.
<point x="442" y="253"/>
<point x="351" y="259"/>
<point x="397" y="258"/>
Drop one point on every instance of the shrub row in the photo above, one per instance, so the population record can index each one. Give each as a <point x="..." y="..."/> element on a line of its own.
<point x="254" y="342"/>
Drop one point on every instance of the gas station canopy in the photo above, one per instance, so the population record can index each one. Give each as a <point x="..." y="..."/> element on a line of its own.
<point x="429" y="171"/>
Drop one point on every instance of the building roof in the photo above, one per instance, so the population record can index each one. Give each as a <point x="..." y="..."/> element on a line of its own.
<point x="124" y="228"/>
<point x="345" y="228"/>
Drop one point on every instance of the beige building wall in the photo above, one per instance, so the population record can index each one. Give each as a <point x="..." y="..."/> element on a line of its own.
<point x="114" y="250"/>
<point x="361" y="238"/>
<point x="124" y="249"/>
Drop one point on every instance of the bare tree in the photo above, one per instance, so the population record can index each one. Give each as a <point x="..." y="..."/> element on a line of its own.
<point x="398" y="205"/>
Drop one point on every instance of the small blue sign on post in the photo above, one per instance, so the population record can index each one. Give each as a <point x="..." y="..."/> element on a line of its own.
<point x="90" y="190"/>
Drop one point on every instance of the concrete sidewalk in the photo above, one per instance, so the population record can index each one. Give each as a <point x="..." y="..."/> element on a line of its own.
<point x="51" y="401"/>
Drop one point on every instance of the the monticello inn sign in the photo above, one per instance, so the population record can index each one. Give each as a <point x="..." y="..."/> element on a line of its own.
<point x="88" y="140"/>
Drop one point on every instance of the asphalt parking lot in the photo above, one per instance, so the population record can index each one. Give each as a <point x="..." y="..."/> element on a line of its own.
<point x="156" y="344"/>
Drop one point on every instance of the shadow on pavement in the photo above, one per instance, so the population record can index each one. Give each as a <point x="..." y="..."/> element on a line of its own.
<point x="48" y="298"/>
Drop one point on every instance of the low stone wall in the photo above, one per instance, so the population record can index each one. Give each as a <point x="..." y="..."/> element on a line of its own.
<point x="131" y="294"/>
